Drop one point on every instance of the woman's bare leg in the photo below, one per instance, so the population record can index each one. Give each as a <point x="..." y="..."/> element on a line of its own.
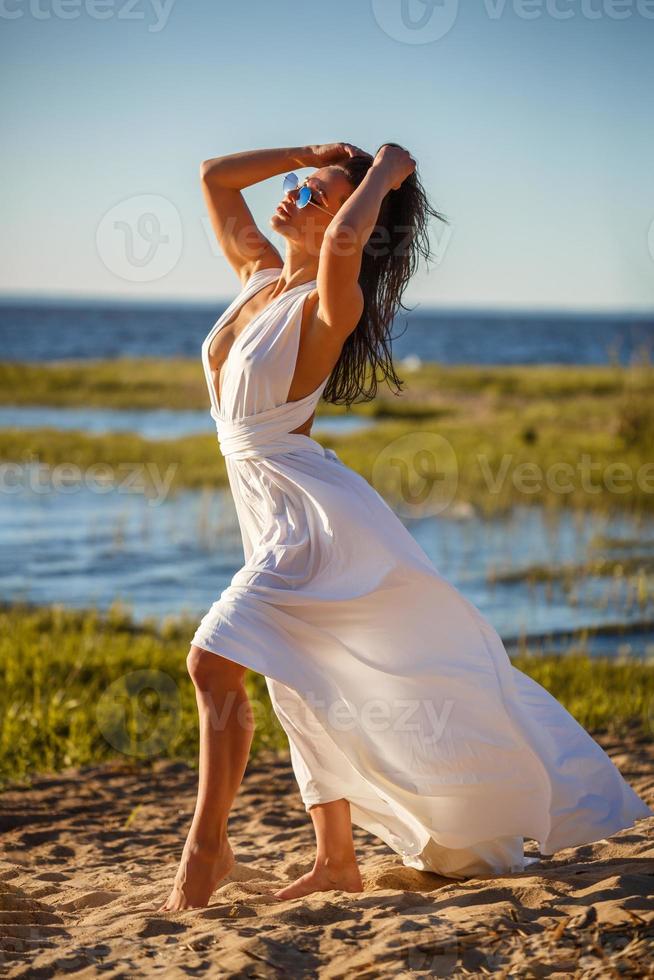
<point x="226" y="730"/>
<point x="335" y="865"/>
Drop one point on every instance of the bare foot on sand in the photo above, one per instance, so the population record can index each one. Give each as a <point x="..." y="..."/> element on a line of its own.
<point x="346" y="877"/>
<point x="200" y="871"/>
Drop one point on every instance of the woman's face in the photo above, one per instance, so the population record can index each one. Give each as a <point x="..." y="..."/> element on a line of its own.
<point x="330" y="190"/>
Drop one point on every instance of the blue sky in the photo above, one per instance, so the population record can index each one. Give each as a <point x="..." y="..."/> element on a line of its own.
<point x="530" y="121"/>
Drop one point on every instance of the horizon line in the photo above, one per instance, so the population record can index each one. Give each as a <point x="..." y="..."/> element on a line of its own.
<point x="7" y="298"/>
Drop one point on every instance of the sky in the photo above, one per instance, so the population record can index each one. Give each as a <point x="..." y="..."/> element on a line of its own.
<point x="530" y="121"/>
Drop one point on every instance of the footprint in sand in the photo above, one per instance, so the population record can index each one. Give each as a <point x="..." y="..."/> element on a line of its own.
<point x="51" y="876"/>
<point x="92" y="900"/>
<point x="231" y="911"/>
<point x="161" y="927"/>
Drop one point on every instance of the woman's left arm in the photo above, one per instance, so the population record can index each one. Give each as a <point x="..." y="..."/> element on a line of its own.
<point x="340" y="300"/>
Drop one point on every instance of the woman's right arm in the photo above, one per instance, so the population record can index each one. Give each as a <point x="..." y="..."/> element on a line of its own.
<point x="245" y="247"/>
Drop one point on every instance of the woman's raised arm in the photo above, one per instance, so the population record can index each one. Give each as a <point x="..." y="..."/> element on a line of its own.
<point x="340" y="300"/>
<point x="243" y="244"/>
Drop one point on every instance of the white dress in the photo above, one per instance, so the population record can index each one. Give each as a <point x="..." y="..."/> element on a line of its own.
<point x="394" y="691"/>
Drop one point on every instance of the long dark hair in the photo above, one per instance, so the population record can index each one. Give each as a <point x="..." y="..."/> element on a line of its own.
<point x="389" y="260"/>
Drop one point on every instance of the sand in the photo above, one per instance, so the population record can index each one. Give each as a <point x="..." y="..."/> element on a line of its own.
<point x="90" y="854"/>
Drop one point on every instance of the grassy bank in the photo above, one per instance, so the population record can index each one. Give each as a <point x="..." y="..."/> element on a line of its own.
<point x="548" y="454"/>
<point x="179" y="383"/>
<point x="84" y="686"/>
<point x="554" y="435"/>
<point x="79" y="687"/>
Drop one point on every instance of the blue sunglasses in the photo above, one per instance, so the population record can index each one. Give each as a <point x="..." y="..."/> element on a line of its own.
<point x="305" y="195"/>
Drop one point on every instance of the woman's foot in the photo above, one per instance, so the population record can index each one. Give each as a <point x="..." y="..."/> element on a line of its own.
<point x="200" y="871"/>
<point x="321" y="878"/>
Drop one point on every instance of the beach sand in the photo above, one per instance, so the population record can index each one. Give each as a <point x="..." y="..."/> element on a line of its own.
<point x="90" y="854"/>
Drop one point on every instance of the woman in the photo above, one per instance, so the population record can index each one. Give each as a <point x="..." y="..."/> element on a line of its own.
<point x="403" y="711"/>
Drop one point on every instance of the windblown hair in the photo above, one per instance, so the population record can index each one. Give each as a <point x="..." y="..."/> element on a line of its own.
<point x="389" y="260"/>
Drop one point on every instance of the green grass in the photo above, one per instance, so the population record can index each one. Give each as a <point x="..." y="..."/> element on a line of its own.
<point x="551" y="435"/>
<point x="122" y="382"/>
<point x="127" y="382"/>
<point x="79" y="687"/>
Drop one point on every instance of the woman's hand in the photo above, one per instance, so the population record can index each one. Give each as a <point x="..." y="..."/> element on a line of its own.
<point x="396" y="163"/>
<point x="325" y="154"/>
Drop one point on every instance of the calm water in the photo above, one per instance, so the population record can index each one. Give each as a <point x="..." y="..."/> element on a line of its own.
<point x="49" y="331"/>
<point x="150" y="424"/>
<point x="81" y="548"/>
